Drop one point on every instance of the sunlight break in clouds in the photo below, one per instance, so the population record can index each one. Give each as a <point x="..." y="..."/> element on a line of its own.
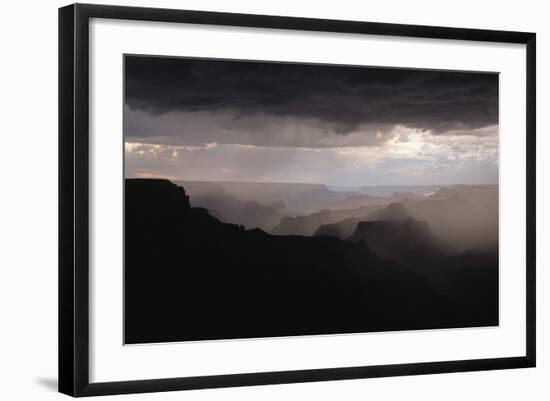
<point x="214" y="120"/>
<point x="406" y="156"/>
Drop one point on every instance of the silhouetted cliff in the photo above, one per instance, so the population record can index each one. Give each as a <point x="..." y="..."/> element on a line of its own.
<point x="307" y="225"/>
<point x="345" y="228"/>
<point x="407" y="241"/>
<point x="190" y="277"/>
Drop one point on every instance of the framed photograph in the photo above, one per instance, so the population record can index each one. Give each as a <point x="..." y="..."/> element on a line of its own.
<point x="250" y="199"/>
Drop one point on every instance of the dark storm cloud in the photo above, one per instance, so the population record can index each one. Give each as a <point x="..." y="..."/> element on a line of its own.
<point x="343" y="97"/>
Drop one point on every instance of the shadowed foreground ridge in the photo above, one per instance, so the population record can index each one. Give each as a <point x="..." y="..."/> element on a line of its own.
<point x="189" y="276"/>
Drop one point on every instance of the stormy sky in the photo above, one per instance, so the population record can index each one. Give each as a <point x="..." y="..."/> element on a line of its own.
<point x="217" y="120"/>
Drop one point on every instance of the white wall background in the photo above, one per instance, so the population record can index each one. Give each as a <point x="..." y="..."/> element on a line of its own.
<point x="28" y="200"/>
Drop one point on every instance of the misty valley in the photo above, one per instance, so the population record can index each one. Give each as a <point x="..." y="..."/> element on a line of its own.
<point x="267" y="199"/>
<point x="218" y="260"/>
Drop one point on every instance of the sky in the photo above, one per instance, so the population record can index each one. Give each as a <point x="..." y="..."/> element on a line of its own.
<point x="229" y="120"/>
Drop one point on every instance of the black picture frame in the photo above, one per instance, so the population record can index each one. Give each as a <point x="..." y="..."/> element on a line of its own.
<point x="74" y="198"/>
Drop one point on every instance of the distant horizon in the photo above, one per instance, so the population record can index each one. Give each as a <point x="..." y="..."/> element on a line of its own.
<point x="312" y="183"/>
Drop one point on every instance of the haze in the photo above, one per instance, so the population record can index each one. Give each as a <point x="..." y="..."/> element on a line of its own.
<point x="367" y="196"/>
<point x="289" y="148"/>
